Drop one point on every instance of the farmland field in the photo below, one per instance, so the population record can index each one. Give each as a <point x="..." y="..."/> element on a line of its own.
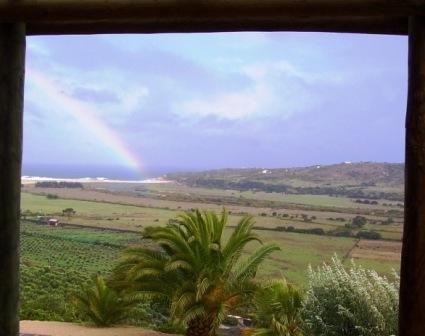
<point x="80" y="253"/>
<point x="134" y="213"/>
<point x="56" y="261"/>
<point x="298" y="250"/>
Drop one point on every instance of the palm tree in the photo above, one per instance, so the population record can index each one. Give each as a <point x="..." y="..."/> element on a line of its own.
<point x="199" y="270"/>
<point x="101" y="305"/>
<point x="278" y="307"/>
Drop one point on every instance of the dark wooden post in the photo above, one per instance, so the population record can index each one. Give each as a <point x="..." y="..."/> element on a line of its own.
<point x="412" y="287"/>
<point x="12" y="65"/>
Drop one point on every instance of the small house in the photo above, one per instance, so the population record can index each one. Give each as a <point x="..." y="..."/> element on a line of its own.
<point x="53" y="222"/>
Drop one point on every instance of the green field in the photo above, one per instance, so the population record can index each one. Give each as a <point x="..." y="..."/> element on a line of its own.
<point x="298" y="250"/>
<point x="55" y="261"/>
<point x="319" y="200"/>
<point x="182" y="191"/>
<point x="42" y="204"/>
<point x="130" y="217"/>
<point x="99" y="214"/>
<point x="93" y="251"/>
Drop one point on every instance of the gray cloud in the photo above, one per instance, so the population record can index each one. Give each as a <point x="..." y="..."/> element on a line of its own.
<point x="95" y="95"/>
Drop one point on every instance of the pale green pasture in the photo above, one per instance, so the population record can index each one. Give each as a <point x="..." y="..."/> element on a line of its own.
<point x="316" y="200"/>
<point x="42" y="203"/>
<point x="98" y="214"/>
<point x="298" y="251"/>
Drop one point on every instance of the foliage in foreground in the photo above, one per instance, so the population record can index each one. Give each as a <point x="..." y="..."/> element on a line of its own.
<point x="52" y="272"/>
<point x="199" y="270"/>
<point x="354" y="302"/>
<point x="45" y="292"/>
<point x="101" y="305"/>
<point x="278" y="308"/>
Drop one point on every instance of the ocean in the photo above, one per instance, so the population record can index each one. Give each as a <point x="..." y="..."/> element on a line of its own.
<point x="91" y="172"/>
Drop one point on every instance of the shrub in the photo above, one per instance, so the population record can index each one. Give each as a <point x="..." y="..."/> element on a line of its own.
<point x="316" y="231"/>
<point x="46" y="307"/>
<point x="357" y="222"/>
<point x="58" y="184"/>
<point x="153" y="314"/>
<point x="278" y="307"/>
<point x="52" y="196"/>
<point x="340" y="232"/>
<point x="369" y="235"/>
<point x="68" y="212"/>
<point x="354" y="302"/>
<point x="230" y="320"/>
<point x="101" y="305"/>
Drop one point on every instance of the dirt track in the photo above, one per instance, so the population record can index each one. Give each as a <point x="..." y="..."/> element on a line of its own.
<point x="47" y="328"/>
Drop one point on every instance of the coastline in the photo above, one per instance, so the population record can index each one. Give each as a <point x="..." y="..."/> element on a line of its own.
<point x="33" y="179"/>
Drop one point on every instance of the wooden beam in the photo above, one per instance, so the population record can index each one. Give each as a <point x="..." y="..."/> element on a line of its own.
<point x="98" y="10"/>
<point x="12" y="63"/>
<point x="69" y="16"/>
<point x="412" y="286"/>
<point x="369" y="25"/>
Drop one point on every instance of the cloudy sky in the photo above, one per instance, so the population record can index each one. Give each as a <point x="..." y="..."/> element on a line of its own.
<point x="199" y="101"/>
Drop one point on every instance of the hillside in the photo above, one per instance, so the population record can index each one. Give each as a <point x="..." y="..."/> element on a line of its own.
<point x="361" y="180"/>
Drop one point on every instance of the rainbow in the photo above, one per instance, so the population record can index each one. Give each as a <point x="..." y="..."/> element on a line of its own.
<point x="87" y="117"/>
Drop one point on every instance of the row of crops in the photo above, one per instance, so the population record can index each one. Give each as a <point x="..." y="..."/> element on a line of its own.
<point x="56" y="252"/>
<point x="55" y="261"/>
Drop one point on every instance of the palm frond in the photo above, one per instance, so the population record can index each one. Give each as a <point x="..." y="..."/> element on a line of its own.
<point x="101" y="305"/>
<point x="278" y="308"/>
<point x="194" y="267"/>
<point x="248" y="269"/>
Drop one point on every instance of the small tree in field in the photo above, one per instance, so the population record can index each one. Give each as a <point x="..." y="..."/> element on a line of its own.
<point x="68" y="212"/>
<point x="358" y="222"/>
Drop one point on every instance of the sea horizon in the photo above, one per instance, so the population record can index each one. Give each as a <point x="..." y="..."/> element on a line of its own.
<point x="93" y="173"/>
<point x="90" y="173"/>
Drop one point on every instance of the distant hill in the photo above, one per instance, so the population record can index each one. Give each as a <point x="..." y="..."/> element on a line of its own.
<point x="358" y="180"/>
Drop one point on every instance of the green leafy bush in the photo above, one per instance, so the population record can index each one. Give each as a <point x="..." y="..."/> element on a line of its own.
<point x="101" y="305"/>
<point x="230" y="320"/>
<point x="353" y="302"/>
<point x="369" y="235"/>
<point x="52" y="196"/>
<point x="357" y="222"/>
<point x="45" y="292"/>
<point x="153" y="314"/>
<point x="278" y="307"/>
